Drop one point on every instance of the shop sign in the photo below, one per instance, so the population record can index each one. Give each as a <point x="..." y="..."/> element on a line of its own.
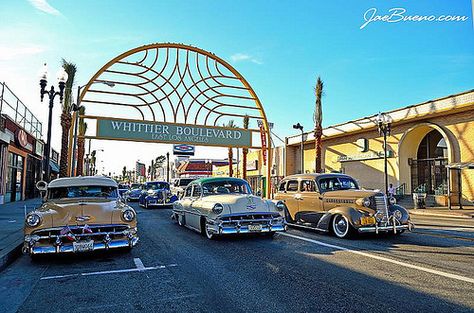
<point x="172" y="133"/>
<point x="364" y="156"/>
<point x="183" y="150"/>
<point x="21" y="138"/>
<point x="39" y="148"/>
<point x="263" y="138"/>
<point x="252" y="165"/>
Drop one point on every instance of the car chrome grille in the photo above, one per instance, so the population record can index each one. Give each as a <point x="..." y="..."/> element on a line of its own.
<point x="381" y="205"/>
<point x="97" y="232"/>
<point x="245" y="219"/>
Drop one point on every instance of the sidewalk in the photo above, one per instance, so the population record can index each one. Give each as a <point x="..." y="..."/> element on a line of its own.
<point x="12" y="217"/>
<point x="455" y="212"/>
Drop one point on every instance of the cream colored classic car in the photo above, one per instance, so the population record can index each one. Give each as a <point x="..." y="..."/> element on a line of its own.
<point x="335" y="203"/>
<point x="222" y="205"/>
<point x="80" y="214"/>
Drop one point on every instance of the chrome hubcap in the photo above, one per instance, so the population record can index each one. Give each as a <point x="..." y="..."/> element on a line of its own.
<point x="340" y="226"/>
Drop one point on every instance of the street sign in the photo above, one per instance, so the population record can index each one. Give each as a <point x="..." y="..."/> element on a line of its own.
<point x="183" y="150"/>
<point x="147" y="131"/>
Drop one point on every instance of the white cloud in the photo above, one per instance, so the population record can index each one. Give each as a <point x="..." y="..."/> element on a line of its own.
<point x="44" y="6"/>
<point x="237" y="57"/>
<point x="12" y="52"/>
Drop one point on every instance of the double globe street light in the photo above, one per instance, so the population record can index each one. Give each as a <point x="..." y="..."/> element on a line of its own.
<point x="384" y="125"/>
<point x="62" y="78"/>
<point x="300" y="127"/>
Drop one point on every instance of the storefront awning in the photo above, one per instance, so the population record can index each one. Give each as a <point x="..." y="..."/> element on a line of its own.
<point x="54" y="166"/>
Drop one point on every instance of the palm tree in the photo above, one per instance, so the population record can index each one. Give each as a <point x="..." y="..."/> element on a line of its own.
<point x="245" y="151"/>
<point x="231" y="124"/>
<point x="124" y="173"/>
<point x="318" y="120"/>
<point x="81" y="149"/>
<point x="66" y="118"/>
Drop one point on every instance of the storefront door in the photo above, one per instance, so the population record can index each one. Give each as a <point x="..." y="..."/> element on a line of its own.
<point x="14" y="178"/>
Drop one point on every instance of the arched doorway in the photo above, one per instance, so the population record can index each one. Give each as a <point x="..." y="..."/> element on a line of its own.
<point x="423" y="153"/>
<point x="174" y="93"/>
<point x="428" y="170"/>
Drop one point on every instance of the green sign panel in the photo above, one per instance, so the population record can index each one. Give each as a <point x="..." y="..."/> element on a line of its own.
<point x="173" y="133"/>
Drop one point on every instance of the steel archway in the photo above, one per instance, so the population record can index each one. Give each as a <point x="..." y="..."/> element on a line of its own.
<point x="177" y="84"/>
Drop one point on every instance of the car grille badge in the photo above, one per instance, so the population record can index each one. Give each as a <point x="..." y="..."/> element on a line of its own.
<point x="83" y="218"/>
<point x="251" y="204"/>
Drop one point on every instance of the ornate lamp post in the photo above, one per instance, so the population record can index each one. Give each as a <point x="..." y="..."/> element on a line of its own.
<point x="384" y="125"/>
<point x="62" y="78"/>
<point x="76" y="108"/>
<point x="300" y="127"/>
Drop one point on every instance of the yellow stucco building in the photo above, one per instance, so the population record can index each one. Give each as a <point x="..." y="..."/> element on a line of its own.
<point x="424" y="139"/>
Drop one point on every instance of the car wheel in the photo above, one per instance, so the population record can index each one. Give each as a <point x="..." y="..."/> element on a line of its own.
<point x="205" y="230"/>
<point x="341" y="226"/>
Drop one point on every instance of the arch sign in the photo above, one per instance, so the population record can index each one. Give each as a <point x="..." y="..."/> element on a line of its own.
<point x="177" y="94"/>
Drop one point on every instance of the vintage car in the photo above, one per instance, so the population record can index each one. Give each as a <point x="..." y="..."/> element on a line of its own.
<point x="156" y="193"/>
<point x="335" y="203"/>
<point x="122" y="189"/>
<point x="134" y="193"/>
<point x="223" y="206"/>
<point x="80" y="214"/>
<point x="179" y="184"/>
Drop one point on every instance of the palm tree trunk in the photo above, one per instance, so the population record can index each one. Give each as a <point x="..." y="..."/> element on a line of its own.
<point x="231" y="163"/>
<point x="80" y="156"/>
<point x="318" y="132"/>
<point x="66" y="126"/>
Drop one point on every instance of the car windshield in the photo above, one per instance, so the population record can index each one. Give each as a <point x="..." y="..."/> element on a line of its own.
<point x="226" y="187"/>
<point x="337" y="183"/>
<point x="156" y="186"/>
<point x="183" y="182"/>
<point x="82" y="192"/>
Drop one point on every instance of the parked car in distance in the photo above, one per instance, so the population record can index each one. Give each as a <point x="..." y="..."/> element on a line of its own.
<point x="226" y="206"/>
<point x="122" y="189"/>
<point x="179" y="184"/>
<point x="80" y="214"/>
<point x="335" y="203"/>
<point x="134" y="193"/>
<point x="156" y="193"/>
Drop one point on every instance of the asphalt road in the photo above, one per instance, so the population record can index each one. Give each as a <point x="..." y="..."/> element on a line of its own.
<point x="174" y="269"/>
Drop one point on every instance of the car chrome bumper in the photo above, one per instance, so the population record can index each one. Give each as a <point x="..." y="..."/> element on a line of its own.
<point x="272" y="224"/>
<point x="68" y="248"/>
<point x="389" y="228"/>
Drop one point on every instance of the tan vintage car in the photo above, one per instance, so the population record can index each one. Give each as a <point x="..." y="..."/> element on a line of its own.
<point x="224" y="206"/>
<point x="335" y="203"/>
<point x="80" y="214"/>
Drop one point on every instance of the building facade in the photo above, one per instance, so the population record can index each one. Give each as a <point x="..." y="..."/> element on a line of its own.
<point x="21" y="149"/>
<point x="424" y="139"/>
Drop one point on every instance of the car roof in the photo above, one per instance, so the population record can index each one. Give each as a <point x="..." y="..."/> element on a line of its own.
<point x="83" y="181"/>
<point x="315" y="175"/>
<point x="215" y="179"/>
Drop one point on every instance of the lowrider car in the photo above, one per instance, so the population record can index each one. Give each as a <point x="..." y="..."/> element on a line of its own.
<point x="179" y="184"/>
<point x="156" y="193"/>
<point x="80" y="214"/>
<point x="335" y="203"/>
<point x="134" y="193"/>
<point x="223" y="206"/>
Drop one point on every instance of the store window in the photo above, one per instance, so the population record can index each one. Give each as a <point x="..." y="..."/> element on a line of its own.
<point x="14" y="177"/>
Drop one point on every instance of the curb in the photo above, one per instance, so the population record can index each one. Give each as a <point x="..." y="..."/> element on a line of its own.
<point x="441" y="214"/>
<point x="10" y="253"/>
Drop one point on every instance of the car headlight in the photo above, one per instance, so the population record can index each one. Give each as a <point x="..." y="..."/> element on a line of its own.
<point x="392" y="200"/>
<point x="218" y="208"/>
<point x="128" y="215"/>
<point x="280" y="205"/>
<point x="33" y="220"/>
<point x="398" y="214"/>
<point x="379" y="216"/>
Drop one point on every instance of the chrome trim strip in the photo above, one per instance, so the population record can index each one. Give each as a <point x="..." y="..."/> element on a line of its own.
<point x="377" y="229"/>
<point x="68" y="248"/>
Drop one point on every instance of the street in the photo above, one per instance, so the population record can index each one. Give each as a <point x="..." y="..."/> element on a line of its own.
<point x="174" y="269"/>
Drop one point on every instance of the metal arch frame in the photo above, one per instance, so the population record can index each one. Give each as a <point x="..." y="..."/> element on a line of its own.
<point x="198" y="52"/>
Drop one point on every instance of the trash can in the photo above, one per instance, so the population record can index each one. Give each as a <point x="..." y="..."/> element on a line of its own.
<point x="419" y="200"/>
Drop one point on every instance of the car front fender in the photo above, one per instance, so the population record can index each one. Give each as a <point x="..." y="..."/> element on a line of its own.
<point x="352" y="214"/>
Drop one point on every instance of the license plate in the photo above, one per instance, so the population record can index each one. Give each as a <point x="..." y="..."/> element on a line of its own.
<point x="83" y="246"/>
<point x="255" y="227"/>
<point x="367" y="220"/>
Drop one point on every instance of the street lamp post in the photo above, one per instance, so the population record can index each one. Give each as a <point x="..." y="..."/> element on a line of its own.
<point x="76" y="108"/>
<point x="300" y="127"/>
<point x="62" y="78"/>
<point x="384" y="125"/>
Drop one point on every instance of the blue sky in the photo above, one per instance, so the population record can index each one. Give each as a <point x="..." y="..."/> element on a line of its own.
<point x="280" y="47"/>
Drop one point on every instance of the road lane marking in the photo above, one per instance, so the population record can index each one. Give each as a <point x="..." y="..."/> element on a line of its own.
<point x="139" y="264"/>
<point x="127" y="270"/>
<point x="381" y="258"/>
